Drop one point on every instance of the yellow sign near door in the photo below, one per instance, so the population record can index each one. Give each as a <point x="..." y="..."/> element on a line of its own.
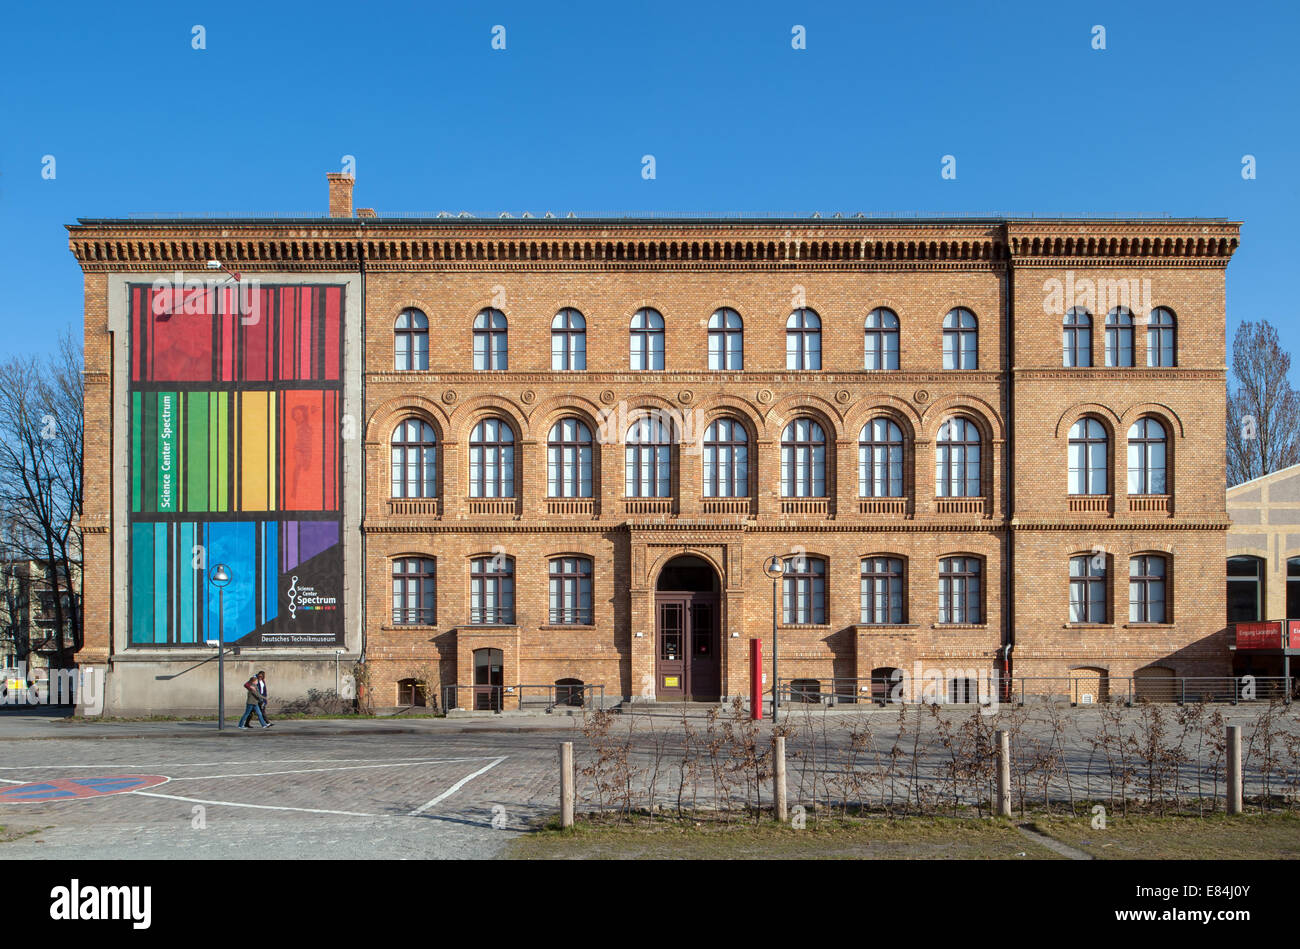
<point x="670" y="682"/>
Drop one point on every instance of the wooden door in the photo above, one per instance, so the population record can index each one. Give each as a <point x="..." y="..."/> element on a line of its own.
<point x="704" y="678"/>
<point x="671" y="624"/>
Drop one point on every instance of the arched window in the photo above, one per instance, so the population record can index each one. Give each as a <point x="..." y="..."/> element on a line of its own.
<point x="1119" y="337"/>
<point x="411" y="341"/>
<point x="803" y="460"/>
<point x="490" y="350"/>
<point x="647" y="340"/>
<point x="960" y="339"/>
<point x="415" y="585"/>
<point x="803" y="340"/>
<point x="1147" y="445"/>
<point x="1146" y="589"/>
<point x="648" y="465"/>
<point x="880" y="349"/>
<point x="1076" y="338"/>
<point x="882" y="590"/>
<point x="1088" y="588"/>
<point x="1162" y="347"/>
<point x="959" y="590"/>
<point x="568" y="340"/>
<point x="726" y="459"/>
<point x="880" y="460"/>
<point x="410" y="692"/>
<point x="492" y="590"/>
<point x="568" y="460"/>
<point x="569" y="691"/>
<point x="492" y="460"/>
<point x="1245" y="589"/>
<point x="804" y="591"/>
<point x="726" y="340"/>
<point x="570" y="591"/>
<point x="414" y="449"/>
<point x="957" y="460"/>
<point x="1088" y="450"/>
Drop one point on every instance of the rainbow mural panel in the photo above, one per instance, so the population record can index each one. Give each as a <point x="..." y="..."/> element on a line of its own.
<point x="236" y="457"/>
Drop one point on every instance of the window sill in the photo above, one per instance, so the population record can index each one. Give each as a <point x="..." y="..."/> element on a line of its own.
<point x="488" y="626"/>
<point x="878" y="626"/>
<point x="804" y="626"/>
<point x="408" y="627"/>
<point x="1148" y="626"/>
<point x="581" y="627"/>
<point x="959" y="625"/>
<point x="1088" y="626"/>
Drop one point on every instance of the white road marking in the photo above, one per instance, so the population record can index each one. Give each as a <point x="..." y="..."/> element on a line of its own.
<point x="210" y="764"/>
<point x="351" y="767"/>
<point x="265" y="807"/>
<point x="456" y="787"/>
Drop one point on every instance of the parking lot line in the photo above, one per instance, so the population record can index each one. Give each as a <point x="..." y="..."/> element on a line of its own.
<point x="456" y="787"/>
<point x="264" y="807"/>
<point x="351" y="767"/>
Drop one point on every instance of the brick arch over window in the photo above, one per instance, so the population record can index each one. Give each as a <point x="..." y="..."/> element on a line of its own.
<point x="1079" y="410"/>
<point x="385" y="417"/>
<point x="977" y="410"/>
<point x="728" y="406"/>
<point x="897" y="410"/>
<point x="470" y="412"/>
<point x="786" y="410"/>
<point x="1158" y="410"/>
<point x="549" y="411"/>
<point x="710" y="557"/>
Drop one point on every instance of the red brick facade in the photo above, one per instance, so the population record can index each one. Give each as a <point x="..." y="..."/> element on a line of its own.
<point x="1022" y="530"/>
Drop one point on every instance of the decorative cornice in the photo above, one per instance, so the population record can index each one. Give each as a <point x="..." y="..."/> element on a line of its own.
<point x="910" y="526"/>
<point x="137" y="246"/>
<point x="657" y="380"/>
<point x="1124" y="374"/>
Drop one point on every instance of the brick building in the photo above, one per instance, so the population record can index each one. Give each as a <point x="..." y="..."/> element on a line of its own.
<point x="566" y="448"/>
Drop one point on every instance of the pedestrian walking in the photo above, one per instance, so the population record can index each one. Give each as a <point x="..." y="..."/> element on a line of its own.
<point x="261" y="690"/>
<point x="252" y="704"/>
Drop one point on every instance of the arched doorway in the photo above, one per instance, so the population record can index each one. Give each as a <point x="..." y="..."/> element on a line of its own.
<point x="688" y="642"/>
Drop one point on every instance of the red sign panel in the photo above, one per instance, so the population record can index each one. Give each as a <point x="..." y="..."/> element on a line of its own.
<point x="1259" y="635"/>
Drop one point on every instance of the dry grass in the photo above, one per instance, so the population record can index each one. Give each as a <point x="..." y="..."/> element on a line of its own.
<point x="1213" y="837"/>
<point x="642" y="838"/>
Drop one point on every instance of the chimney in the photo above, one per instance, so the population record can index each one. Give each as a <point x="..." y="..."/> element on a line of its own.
<point x="340" y="195"/>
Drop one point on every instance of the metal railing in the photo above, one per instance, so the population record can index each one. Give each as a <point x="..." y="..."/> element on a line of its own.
<point x="496" y="698"/>
<point x="1080" y="690"/>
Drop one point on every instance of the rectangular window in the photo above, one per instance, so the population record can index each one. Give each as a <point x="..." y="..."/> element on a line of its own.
<point x="570" y="593"/>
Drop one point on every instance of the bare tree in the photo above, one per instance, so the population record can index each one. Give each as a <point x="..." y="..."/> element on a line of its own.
<point x="1263" y="409"/>
<point x="41" y="446"/>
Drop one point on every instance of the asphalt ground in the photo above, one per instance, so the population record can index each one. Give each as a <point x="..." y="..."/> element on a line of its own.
<point x="426" y="788"/>
<point x="298" y="790"/>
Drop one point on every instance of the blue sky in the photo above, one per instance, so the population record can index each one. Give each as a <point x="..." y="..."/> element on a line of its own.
<point x="1040" y="123"/>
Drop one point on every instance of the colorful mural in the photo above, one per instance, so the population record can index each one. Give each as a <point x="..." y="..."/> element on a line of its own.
<point x="235" y="457"/>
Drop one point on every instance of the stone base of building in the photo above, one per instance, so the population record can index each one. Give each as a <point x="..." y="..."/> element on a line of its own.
<point x="189" y="686"/>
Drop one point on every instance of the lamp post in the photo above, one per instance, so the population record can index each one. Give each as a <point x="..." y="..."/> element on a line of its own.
<point x="774" y="567"/>
<point x="219" y="578"/>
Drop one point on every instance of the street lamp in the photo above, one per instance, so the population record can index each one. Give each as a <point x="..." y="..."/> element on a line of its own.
<point x="219" y="578"/>
<point x="774" y="567"/>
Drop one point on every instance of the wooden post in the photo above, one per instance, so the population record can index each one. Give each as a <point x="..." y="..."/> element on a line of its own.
<point x="1004" y="773"/>
<point x="778" y="791"/>
<point x="566" y="784"/>
<point x="1234" y="769"/>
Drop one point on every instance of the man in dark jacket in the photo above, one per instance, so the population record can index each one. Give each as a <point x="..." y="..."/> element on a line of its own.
<point x="253" y="703"/>
<point x="261" y="690"/>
